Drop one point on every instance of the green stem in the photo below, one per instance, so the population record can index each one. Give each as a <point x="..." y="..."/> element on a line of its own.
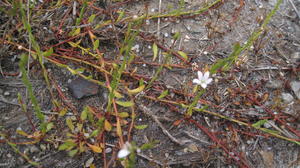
<point x="195" y="101"/>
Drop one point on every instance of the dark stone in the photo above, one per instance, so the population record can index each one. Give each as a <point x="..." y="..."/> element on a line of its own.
<point x="81" y="88"/>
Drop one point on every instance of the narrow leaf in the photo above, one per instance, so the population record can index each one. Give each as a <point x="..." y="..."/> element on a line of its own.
<point x="121" y="15"/>
<point x="73" y="152"/>
<point x="70" y="124"/>
<point x="68" y="145"/>
<point x="163" y="94"/>
<point x="137" y="90"/>
<point x="48" y="52"/>
<point x="125" y="103"/>
<point x="259" y="123"/>
<point x="107" y="126"/>
<point x="49" y="126"/>
<point x="73" y="44"/>
<point x="155" y="51"/>
<point x="96" y="45"/>
<point x="95" y="148"/>
<point x="62" y="112"/>
<point x="149" y="145"/>
<point x="21" y="132"/>
<point x="119" y="129"/>
<point x="183" y="55"/>
<point x="140" y="127"/>
<point x="75" y="32"/>
<point x="123" y="114"/>
<point x="91" y="18"/>
<point x="84" y="114"/>
<point x="94" y="133"/>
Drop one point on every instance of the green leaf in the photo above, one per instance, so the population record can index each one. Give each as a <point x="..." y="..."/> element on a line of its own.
<point x="137" y="90"/>
<point x="91" y="18"/>
<point x="163" y="94"/>
<point x="62" y="112"/>
<point x="100" y="122"/>
<point x="73" y="152"/>
<point x="125" y="103"/>
<point x="149" y="145"/>
<point x="63" y="147"/>
<point x="183" y="55"/>
<point x="79" y="126"/>
<point x="49" y="126"/>
<point x="84" y="114"/>
<point x="94" y="133"/>
<point x="27" y="83"/>
<point x="48" y="52"/>
<point x="176" y="36"/>
<point x="140" y="127"/>
<point x="155" y="51"/>
<point x="121" y="15"/>
<point x="73" y="44"/>
<point x="259" y="123"/>
<point x="107" y="126"/>
<point x="227" y="62"/>
<point x="123" y="114"/>
<point x="218" y="65"/>
<point x="270" y="131"/>
<point x="96" y="45"/>
<point x="70" y="124"/>
<point x="68" y="145"/>
<point x="74" y="32"/>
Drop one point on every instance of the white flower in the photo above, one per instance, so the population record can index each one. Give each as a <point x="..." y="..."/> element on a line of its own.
<point x="125" y="151"/>
<point x="203" y="80"/>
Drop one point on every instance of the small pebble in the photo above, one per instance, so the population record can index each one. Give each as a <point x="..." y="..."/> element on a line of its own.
<point x="249" y="142"/>
<point x="6" y="93"/>
<point x="274" y="84"/>
<point x="89" y="162"/>
<point x="136" y="48"/>
<point x="33" y="149"/>
<point x="147" y="22"/>
<point x="108" y="150"/>
<point x="287" y="98"/>
<point x="43" y="147"/>
<point x="295" y="57"/>
<point x="135" y="16"/>
<point x="295" y="86"/>
<point x="186" y="38"/>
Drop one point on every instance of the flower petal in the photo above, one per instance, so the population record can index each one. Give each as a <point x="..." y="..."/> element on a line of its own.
<point x="203" y="85"/>
<point x="209" y="80"/>
<point x="123" y="153"/>
<point x="200" y="75"/>
<point x="206" y="75"/>
<point x="197" y="81"/>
